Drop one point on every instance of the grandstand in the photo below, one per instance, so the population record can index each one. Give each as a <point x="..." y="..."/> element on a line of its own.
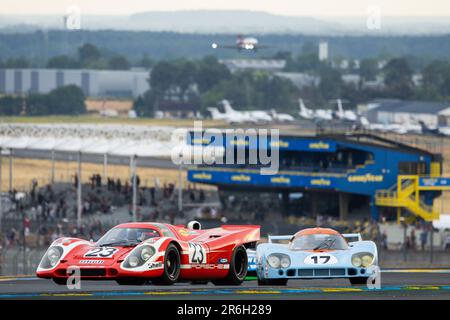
<point x="346" y="176"/>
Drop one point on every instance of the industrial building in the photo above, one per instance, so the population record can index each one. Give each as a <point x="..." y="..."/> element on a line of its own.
<point x="391" y="111"/>
<point x="94" y="83"/>
<point x="269" y="65"/>
<point x="334" y="175"/>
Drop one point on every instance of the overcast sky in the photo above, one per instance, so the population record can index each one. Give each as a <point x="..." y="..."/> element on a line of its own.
<point x="284" y="7"/>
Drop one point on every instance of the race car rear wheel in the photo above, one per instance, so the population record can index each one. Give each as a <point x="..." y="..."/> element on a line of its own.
<point x="171" y="267"/>
<point x="131" y="281"/>
<point x="238" y="269"/>
<point x="358" y="280"/>
<point x="60" y="281"/>
<point x="272" y="282"/>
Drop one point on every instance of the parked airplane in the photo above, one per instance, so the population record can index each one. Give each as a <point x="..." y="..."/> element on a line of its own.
<point x="242" y="43"/>
<point x="229" y="118"/>
<point x="345" y="114"/>
<point x="318" y="114"/>
<point x="281" y="117"/>
<point x="256" y="116"/>
<point x="438" y="131"/>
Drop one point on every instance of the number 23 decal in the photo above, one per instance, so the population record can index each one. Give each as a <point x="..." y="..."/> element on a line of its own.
<point x="103" y="252"/>
<point x="197" y="253"/>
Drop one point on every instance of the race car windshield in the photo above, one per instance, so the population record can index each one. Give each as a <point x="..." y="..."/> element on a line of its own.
<point x="127" y="236"/>
<point x="318" y="242"/>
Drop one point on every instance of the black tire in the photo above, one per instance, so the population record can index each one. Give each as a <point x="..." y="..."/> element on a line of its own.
<point x="358" y="280"/>
<point x="131" y="281"/>
<point x="172" y="264"/>
<point x="272" y="282"/>
<point x="60" y="281"/>
<point x="238" y="269"/>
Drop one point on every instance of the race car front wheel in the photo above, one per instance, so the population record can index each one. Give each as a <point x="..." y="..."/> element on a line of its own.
<point x="171" y="267"/>
<point x="238" y="268"/>
<point x="358" y="280"/>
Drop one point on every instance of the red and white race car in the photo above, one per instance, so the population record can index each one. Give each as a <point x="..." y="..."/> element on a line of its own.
<point x="132" y="253"/>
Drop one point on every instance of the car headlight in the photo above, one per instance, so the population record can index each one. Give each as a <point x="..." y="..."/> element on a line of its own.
<point x="273" y="261"/>
<point x="285" y="262"/>
<point x="147" y="252"/>
<point x="366" y="260"/>
<point x="133" y="261"/>
<point x="356" y="261"/>
<point x="362" y="259"/>
<point x="53" y="255"/>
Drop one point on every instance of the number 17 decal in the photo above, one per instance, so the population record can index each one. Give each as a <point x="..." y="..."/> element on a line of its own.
<point x="197" y="253"/>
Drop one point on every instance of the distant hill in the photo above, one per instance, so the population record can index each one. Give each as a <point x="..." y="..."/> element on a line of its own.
<point x="232" y="22"/>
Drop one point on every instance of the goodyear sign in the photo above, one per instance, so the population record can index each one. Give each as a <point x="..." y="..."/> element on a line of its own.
<point x="253" y="142"/>
<point x="202" y="176"/>
<point x="282" y="180"/>
<point x="365" y="178"/>
<point x="321" y="182"/>
<point x="241" y="178"/>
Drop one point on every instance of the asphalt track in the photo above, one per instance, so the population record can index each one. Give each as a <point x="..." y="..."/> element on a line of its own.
<point x="395" y="284"/>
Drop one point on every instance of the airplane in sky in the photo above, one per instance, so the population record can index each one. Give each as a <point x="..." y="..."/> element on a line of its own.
<point x="317" y="114"/>
<point x="242" y="43"/>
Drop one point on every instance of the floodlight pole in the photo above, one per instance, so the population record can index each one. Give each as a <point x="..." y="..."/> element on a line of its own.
<point x="53" y="167"/>
<point x="105" y="165"/>
<point x="1" y="201"/>
<point x="133" y="161"/>
<point x="79" y="204"/>
<point x="10" y="169"/>
<point x="180" y="189"/>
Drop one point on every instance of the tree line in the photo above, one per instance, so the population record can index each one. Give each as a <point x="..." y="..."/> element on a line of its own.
<point x="66" y="100"/>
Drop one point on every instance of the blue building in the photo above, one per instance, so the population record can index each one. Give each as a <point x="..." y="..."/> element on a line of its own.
<point x="348" y="169"/>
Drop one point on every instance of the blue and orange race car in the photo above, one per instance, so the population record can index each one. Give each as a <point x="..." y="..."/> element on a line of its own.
<point x="315" y="253"/>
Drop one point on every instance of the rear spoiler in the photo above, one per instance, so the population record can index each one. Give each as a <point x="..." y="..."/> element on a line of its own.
<point x="349" y="236"/>
<point x="286" y="237"/>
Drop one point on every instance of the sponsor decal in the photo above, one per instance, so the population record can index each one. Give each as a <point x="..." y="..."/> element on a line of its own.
<point x="241" y="177"/>
<point x="186" y="232"/>
<point x="366" y="178"/>
<point x="202" y="176"/>
<point x="155" y="265"/>
<point x="319" y="145"/>
<point x="223" y="260"/>
<point x="220" y="266"/>
<point x="91" y="261"/>
<point x="280" y="180"/>
<point x="320" y="182"/>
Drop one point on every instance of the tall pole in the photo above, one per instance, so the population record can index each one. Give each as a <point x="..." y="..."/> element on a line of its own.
<point x="133" y="161"/>
<point x="79" y="204"/>
<point x="53" y="167"/>
<point x="431" y="242"/>
<point x="1" y="201"/>
<point x="10" y="169"/>
<point x="180" y="189"/>
<point x="105" y="165"/>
